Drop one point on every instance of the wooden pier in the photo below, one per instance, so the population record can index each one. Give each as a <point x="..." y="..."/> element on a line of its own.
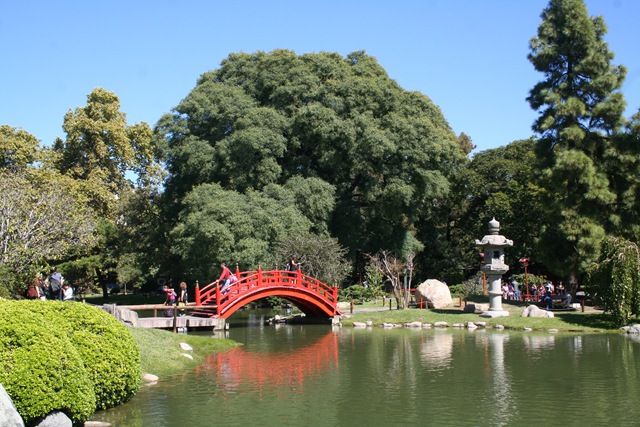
<point x="128" y="314"/>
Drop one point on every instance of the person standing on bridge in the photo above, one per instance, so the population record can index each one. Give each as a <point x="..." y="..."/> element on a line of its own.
<point x="293" y="265"/>
<point x="226" y="277"/>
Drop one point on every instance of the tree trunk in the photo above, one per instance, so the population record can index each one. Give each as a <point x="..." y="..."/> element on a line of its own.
<point x="102" y="280"/>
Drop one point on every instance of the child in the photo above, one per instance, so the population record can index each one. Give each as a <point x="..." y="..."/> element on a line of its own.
<point x="170" y="299"/>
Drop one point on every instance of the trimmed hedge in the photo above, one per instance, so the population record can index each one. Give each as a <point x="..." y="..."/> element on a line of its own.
<point x="40" y="369"/>
<point x="65" y="356"/>
<point x="107" y="348"/>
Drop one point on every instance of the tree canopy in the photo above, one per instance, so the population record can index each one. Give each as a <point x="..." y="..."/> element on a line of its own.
<point x="101" y="149"/>
<point x="373" y="157"/>
<point x="580" y="112"/>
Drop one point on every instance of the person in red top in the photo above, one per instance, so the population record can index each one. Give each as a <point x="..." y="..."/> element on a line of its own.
<point x="226" y="277"/>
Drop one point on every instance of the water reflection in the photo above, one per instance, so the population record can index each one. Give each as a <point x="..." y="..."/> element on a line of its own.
<point x="505" y="406"/>
<point x="436" y="350"/>
<point x="272" y="369"/>
<point x="536" y="343"/>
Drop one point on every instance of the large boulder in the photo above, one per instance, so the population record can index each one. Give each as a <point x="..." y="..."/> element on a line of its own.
<point x="9" y="416"/>
<point x="535" y="311"/>
<point x="435" y="293"/>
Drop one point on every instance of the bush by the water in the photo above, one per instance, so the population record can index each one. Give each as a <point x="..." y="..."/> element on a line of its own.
<point x="69" y="357"/>
<point x="107" y="348"/>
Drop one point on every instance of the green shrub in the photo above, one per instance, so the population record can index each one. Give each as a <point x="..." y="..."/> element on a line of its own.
<point x="40" y="368"/>
<point x="459" y="290"/>
<point x="65" y="356"/>
<point x="107" y="348"/>
<point x="471" y="286"/>
<point x="359" y="294"/>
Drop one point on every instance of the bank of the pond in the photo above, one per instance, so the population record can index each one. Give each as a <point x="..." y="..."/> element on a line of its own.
<point x="161" y="354"/>
<point x="589" y="322"/>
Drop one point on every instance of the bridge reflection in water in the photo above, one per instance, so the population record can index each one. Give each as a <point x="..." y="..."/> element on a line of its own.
<point x="273" y="369"/>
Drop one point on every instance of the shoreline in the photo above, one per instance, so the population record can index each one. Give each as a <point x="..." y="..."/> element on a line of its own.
<point x="591" y="321"/>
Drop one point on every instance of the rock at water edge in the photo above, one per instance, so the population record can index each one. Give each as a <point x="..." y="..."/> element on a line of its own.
<point x="413" y="325"/>
<point x="535" y="311"/>
<point x="150" y="378"/>
<point x="55" y="419"/>
<point x="9" y="416"/>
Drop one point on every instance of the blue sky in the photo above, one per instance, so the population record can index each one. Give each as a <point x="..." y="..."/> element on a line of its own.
<point x="468" y="56"/>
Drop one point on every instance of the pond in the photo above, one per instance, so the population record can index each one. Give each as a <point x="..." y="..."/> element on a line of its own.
<point x="311" y="375"/>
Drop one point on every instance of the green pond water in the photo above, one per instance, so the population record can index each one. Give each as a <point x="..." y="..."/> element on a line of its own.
<point x="294" y="375"/>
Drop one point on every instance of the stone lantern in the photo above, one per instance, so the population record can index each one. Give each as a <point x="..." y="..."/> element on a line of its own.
<point x="493" y="266"/>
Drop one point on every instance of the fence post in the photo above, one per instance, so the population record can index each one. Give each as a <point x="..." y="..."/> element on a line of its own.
<point x="259" y="275"/>
<point x="299" y="277"/>
<point x="175" y="310"/>
<point x="218" y="297"/>
<point x="198" y="296"/>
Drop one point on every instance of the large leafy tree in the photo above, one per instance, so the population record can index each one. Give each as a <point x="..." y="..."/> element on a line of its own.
<point x="103" y="152"/>
<point x="18" y="148"/>
<point x="44" y="217"/>
<point x="40" y="221"/>
<point x="580" y="110"/>
<point x="109" y="159"/>
<point x="272" y="118"/>
<point x="624" y="166"/>
<point x="224" y="225"/>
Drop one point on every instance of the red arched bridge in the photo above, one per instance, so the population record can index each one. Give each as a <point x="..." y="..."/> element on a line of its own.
<point x="310" y="295"/>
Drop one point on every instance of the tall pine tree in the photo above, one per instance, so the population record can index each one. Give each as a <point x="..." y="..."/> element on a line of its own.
<point x="580" y="112"/>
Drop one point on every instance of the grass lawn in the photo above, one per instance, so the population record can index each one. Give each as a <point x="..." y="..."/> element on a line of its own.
<point x="161" y="353"/>
<point x="590" y="321"/>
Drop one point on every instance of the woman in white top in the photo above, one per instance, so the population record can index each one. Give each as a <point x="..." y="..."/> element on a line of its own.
<point x="66" y="293"/>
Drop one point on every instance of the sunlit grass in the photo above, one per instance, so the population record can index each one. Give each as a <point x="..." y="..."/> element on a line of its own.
<point x="161" y="353"/>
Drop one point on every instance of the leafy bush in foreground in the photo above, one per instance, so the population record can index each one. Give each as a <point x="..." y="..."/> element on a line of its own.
<point x="40" y="368"/>
<point x="66" y="356"/>
<point x="107" y="348"/>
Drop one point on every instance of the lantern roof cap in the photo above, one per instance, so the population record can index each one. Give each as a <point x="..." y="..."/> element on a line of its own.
<point x="494" y="226"/>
